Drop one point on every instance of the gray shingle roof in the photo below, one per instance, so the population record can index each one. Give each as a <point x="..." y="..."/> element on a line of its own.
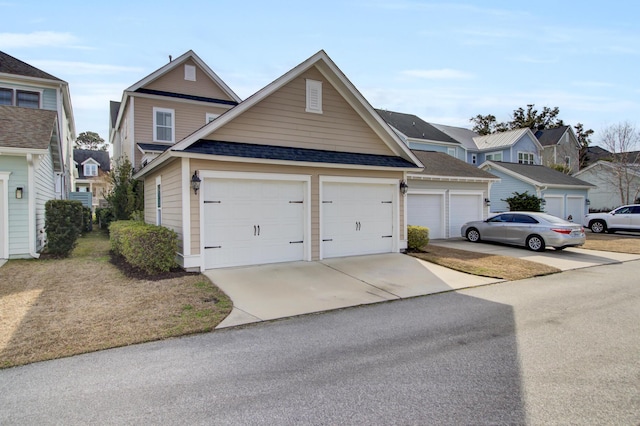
<point x="413" y="126"/>
<point x="153" y="147"/>
<point x="114" y="108"/>
<point x="461" y="134"/>
<point x="185" y="96"/>
<point x="26" y="127"/>
<point x="441" y="164"/>
<point x="11" y="65"/>
<point x="548" y="137"/>
<point x="543" y="175"/>
<point x="82" y="155"/>
<point x="270" y="152"/>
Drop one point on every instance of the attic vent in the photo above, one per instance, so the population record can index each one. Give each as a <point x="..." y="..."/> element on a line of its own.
<point x="314" y="96"/>
<point x="190" y="72"/>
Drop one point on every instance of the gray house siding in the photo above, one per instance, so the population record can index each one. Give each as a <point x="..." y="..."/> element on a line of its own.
<point x="45" y="191"/>
<point x="49" y="99"/>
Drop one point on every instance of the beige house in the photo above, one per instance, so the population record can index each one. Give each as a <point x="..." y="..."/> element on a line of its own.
<point x="304" y="169"/>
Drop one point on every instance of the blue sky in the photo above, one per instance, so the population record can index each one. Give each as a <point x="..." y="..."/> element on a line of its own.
<point x="443" y="61"/>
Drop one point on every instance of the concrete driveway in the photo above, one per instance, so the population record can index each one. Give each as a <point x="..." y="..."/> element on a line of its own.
<point x="267" y="292"/>
<point x="281" y="290"/>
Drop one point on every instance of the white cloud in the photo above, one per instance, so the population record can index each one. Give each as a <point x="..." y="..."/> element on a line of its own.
<point x="83" y="68"/>
<point x="37" y="39"/>
<point x="441" y="74"/>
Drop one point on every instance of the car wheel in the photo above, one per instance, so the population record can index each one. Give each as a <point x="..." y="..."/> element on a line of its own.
<point x="473" y="235"/>
<point x="535" y="243"/>
<point x="598" y="226"/>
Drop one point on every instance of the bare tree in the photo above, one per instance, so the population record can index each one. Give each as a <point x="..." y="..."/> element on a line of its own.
<point x="623" y="140"/>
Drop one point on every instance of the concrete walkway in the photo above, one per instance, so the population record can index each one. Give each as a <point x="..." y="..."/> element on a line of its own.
<point x="267" y="292"/>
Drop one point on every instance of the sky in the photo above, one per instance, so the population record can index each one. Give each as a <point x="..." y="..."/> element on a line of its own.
<point x="442" y="61"/>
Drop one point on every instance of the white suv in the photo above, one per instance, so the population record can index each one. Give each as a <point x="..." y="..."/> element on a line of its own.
<point x="622" y="218"/>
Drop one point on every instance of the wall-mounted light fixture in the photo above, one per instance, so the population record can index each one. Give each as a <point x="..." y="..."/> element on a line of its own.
<point x="19" y="191"/>
<point x="487" y="202"/>
<point x="404" y="187"/>
<point x="543" y="201"/>
<point x="195" y="182"/>
<point x="588" y="201"/>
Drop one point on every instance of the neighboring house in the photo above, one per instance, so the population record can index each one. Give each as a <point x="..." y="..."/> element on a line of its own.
<point x="92" y="170"/>
<point x="165" y="107"/>
<point x="608" y="178"/>
<point x="446" y="194"/>
<point x="304" y="169"/>
<point x="560" y="147"/>
<point x="36" y="135"/>
<point x="465" y="137"/>
<point x="564" y="196"/>
<point x="514" y="146"/>
<point x="420" y="135"/>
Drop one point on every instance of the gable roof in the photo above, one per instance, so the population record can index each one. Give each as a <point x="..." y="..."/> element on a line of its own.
<point x="11" y="65"/>
<point x="335" y="77"/>
<point x="27" y="128"/>
<point x="80" y="156"/>
<point x="441" y="165"/>
<point x="503" y="139"/>
<point x="461" y="134"/>
<point x="536" y="174"/>
<point x="177" y="62"/>
<point x="548" y="137"/>
<point x="414" y="127"/>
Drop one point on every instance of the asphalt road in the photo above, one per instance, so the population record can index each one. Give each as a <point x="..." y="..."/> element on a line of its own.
<point x="561" y="349"/>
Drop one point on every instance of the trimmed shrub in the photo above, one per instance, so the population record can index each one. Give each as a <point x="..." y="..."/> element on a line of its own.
<point x="149" y="248"/>
<point x="87" y="219"/>
<point x="63" y="224"/>
<point x="417" y="237"/>
<point x="523" y="201"/>
<point x="104" y="216"/>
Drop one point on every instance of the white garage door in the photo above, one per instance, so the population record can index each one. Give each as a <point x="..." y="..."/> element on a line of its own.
<point x="357" y="218"/>
<point x="463" y="208"/>
<point x="575" y="209"/>
<point x="427" y="210"/>
<point x="554" y="206"/>
<point x="249" y="222"/>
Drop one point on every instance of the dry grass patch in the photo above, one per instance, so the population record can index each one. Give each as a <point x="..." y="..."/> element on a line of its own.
<point x="51" y="308"/>
<point x="485" y="265"/>
<point x="619" y="243"/>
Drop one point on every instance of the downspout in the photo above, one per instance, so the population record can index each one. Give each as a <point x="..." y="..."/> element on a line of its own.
<point x="31" y="206"/>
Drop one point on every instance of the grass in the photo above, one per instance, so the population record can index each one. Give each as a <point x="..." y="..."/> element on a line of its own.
<point x="52" y="308"/>
<point x="486" y="265"/>
<point x="618" y="242"/>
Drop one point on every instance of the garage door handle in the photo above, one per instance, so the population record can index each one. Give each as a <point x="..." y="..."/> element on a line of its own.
<point x="254" y="230"/>
<point x="258" y="229"/>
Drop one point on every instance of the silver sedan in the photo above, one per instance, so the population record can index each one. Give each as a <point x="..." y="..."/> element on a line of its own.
<point x="534" y="230"/>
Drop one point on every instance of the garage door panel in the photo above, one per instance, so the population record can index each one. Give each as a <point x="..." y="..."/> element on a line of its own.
<point x="427" y="210"/>
<point x="463" y="208"/>
<point x="252" y="222"/>
<point x="357" y="219"/>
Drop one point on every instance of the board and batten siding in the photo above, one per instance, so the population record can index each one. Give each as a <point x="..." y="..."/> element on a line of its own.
<point x="174" y="82"/>
<point x="18" y="209"/>
<point x="45" y="190"/>
<point x="171" y="196"/>
<point x="315" y="174"/>
<point x="281" y="120"/>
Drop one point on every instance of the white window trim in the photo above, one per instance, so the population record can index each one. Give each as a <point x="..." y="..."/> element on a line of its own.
<point x="531" y="158"/>
<point x="158" y="201"/>
<point x="493" y="154"/>
<point x="155" y="124"/>
<point x="314" y="92"/>
<point x="90" y="165"/>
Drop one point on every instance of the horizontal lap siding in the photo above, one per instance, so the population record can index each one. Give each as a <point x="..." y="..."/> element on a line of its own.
<point x="281" y="120"/>
<point x="315" y="174"/>
<point x="174" y="82"/>
<point x="18" y="209"/>
<point x="45" y="191"/>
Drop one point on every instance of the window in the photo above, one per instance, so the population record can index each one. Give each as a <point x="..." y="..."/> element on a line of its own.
<point x="190" y="72"/>
<point x="6" y="96"/>
<point x="494" y="156"/>
<point x="158" y="201"/>
<point x="567" y="161"/>
<point x="27" y="99"/>
<point x="91" y="169"/>
<point x="314" y="96"/>
<point x="163" y="126"/>
<point x="525" y="157"/>
<point x="451" y="152"/>
<point x="210" y="117"/>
